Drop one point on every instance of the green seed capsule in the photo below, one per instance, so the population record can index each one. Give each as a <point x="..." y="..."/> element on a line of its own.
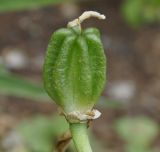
<point x="75" y="68"/>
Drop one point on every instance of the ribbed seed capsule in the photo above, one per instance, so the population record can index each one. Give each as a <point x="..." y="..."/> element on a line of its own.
<point x="75" y="68"/>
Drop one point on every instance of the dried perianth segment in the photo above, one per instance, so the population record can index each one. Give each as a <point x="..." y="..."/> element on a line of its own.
<point x="78" y="117"/>
<point x="84" y="16"/>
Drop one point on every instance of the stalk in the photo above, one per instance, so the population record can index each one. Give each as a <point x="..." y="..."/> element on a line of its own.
<point x="80" y="137"/>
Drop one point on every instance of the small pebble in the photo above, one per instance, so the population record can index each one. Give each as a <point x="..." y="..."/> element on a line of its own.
<point x="122" y="90"/>
<point x="14" y="59"/>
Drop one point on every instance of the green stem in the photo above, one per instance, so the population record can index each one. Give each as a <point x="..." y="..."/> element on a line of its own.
<point x="80" y="137"/>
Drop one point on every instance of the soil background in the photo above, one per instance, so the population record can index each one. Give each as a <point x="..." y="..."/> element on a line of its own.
<point x="133" y="61"/>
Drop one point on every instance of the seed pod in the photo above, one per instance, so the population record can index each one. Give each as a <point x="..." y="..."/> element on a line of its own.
<point x="75" y="68"/>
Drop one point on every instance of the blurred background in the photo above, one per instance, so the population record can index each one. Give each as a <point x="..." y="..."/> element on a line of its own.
<point x="130" y="103"/>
